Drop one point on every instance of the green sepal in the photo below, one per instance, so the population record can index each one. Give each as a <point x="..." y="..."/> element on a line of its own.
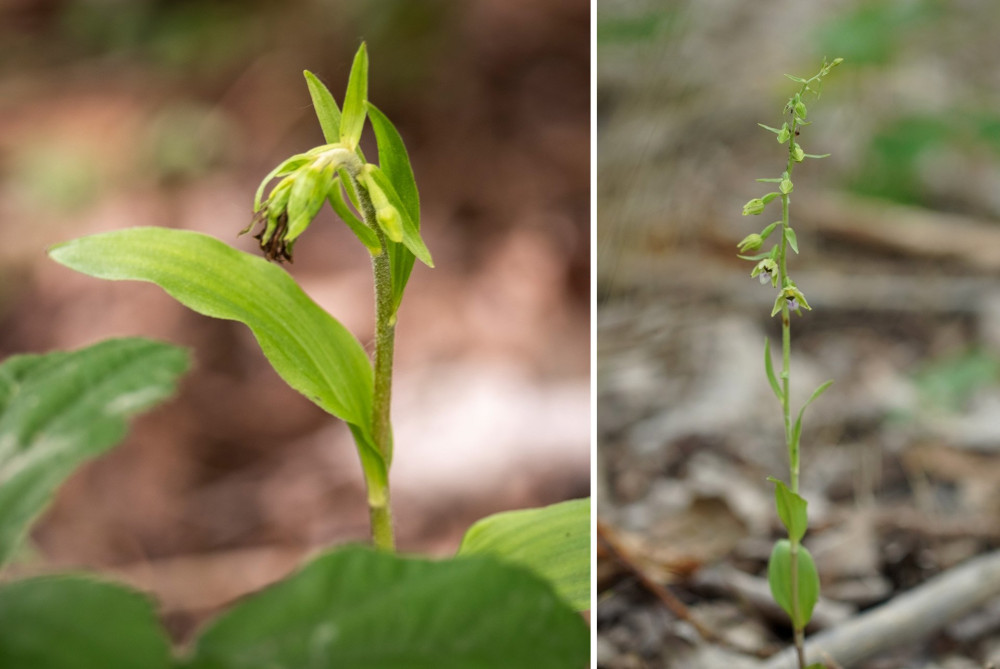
<point x="792" y="509"/>
<point x="327" y="111"/>
<point x="785" y="134"/>
<point x="283" y="169"/>
<point x="778" y="301"/>
<point x="769" y="368"/>
<point x="779" y="577"/>
<point x="770" y="196"/>
<point x="352" y="120"/>
<point x="309" y="191"/>
<point x="365" y="234"/>
<point x="792" y="240"/>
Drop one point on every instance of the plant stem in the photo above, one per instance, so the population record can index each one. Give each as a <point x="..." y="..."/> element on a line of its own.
<point x="786" y="355"/>
<point x="385" y="335"/>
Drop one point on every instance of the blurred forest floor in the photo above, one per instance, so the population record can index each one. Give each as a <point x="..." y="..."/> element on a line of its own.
<point x="157" y="112"/>
<point x="900" y="260"/>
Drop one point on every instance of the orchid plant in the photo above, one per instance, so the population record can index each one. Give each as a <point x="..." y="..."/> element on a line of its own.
<point x="510" y="596"/>
<point x="791" y="570"/>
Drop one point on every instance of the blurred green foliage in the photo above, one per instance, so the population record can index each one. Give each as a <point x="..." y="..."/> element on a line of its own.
<point x="872" y="31"/>
<point x="209" y="35"/>
<point x="894" y="159"/>
<point x="949" y="382"/>
<point x="641" y="28"/>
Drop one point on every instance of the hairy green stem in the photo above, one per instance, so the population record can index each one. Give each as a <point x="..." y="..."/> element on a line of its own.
<point x="385" y="335"/>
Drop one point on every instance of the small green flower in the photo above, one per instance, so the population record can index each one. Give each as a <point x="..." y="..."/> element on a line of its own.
<point x="750" y="243"/>
<point x="798" y="155"/>
<point x="795" y="298"/>
<point x="784" y="134"/>
<point x="753" y="207"/>
<point x="766" y="270"/>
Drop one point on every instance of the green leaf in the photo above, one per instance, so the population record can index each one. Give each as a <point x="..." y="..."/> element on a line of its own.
<point x="792" y="509"/>
<point x="411" y="234"/>
<point x="364" y="609"/>
<point x="813" y="155"/>
<point x="327" y="111"/>
<point x="357" y="226"/>
<point x="775" y="180"/>
<point x="75" y="622"/>
<point x="767" y="127"/>
<point x="61" y="409"/>
<point x="797" y="429"/>
<point x="769" y="368"/>
<point x="553" y="541"/>
<point x="792" y="240"/>
<point x="779" y="576"/>
<point x="308" y="348"/>
<point x="395" y="162"/>
<point x="352" y="121"/>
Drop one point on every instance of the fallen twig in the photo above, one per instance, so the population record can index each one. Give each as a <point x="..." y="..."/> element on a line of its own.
<point x="676" y="606"/>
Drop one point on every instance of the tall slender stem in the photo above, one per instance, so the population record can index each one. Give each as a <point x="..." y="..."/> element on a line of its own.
<point x="786" y="355"/>
<point x="385" y="335"/>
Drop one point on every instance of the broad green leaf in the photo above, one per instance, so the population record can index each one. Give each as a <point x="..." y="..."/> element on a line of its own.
<point x="553" y="541"/>
<point x="364" y="609"/>
<point x="352" y="120"/>
<point x="779" y="576"/>
<point x="327" y="111"/>
<point x="769" y="368"/>
<point x="411" y="234"/>
<point x="75" y="622"/>
<point x="357" y="226"/>
<point x="308" y="348"/>
<point x="61" y="409"/>
<point x="395" y="162"/>
<point x="797" y="428"/>
<point x="792" y="509"/>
